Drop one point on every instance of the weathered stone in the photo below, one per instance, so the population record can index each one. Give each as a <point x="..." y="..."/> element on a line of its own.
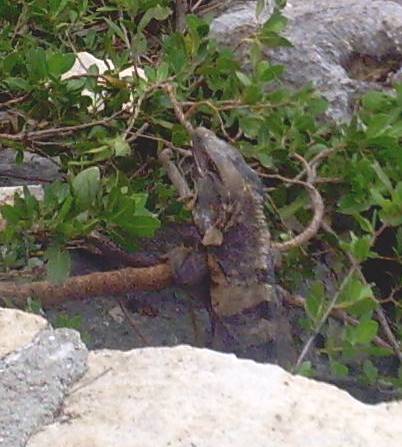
<point x="18" y="328"/>
<point x="34" y="381"/>
<point x="191" y="397"/>
<point x="328" y="35"/>
<point x="33" y="170"/>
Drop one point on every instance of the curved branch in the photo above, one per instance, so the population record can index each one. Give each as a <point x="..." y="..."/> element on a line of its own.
<point x="317" y="205"/>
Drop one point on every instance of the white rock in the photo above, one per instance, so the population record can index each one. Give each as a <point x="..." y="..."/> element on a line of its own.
<point x="83" y="62"/>
<point x="81" y="66"/>
<point x="17" y="329"/>
<point x="184" y="397"/>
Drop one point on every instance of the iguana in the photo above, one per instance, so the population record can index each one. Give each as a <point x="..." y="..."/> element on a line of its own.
<point x="227" y="210"/>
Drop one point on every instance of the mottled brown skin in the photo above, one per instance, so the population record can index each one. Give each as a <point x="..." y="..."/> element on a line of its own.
<point x="228" y="213"/>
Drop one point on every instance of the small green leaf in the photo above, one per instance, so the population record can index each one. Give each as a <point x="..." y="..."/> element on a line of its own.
<point x="363" y="333"/>
<point x="243" y="78"/>
<point x="370" y="371"/>
<point x="119" y="146"/>
<point x="359" y="247"/>
<point x="36" y="64"/>
<point x="315" y="300"/>
<point x="275" y="24"/>
<point x="339" y="369"/>
<point x="157" y="12"/>
<point x="86" y="186"/>
<point x="115" y="28"/>
<point x="59" y="63"/>
<point x="142" y="226"/>
<point x="58" y="264"/>
<point x="375" y="101"/>
<point x="252" y="94"/>
<point x="16" y="84"/>
<point x="382" y="176"/>
<point x="306" y="369"/>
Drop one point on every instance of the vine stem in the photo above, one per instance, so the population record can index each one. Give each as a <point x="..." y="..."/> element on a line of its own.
<point x="323" y="319"/>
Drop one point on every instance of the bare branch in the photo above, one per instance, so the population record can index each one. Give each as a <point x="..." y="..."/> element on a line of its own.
<point x="180" y="15"/>
<point x="33" y="135"/>
<point x="115" y="282"/>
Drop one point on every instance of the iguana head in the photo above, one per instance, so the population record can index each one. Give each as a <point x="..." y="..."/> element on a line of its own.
<point x="223" y="182"/>
<point x="213" y="155"/>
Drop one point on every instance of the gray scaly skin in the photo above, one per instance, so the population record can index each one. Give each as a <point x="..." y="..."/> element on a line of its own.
<point x="228" y="212"/>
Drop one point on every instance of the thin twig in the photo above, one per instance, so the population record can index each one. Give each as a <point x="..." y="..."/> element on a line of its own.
<point x="177" y="108"/>
<point x="14" y="101"/>
<point x="382" y="319"/>
<point x="196" y="5"/>
<point x="396" y="347"/>
<point x="26" y="136"/>
<point x="299" y="301"/>
<point x="90" y="381"/>
<point x="132" y="323"/>
<point x="323" y="319"/>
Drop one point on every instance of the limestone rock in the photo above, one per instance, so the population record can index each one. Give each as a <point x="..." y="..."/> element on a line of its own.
<point x="34" y="381"/>
<point x="84" y="61"/>
<point x="328" y="37"/>
<point x="192" y="397"/>
<point x="18" y="328"/>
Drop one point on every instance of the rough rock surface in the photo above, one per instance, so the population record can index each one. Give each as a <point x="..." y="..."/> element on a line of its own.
<point x="17" y="329"/>
<point x="191" y="397"/>
<point x="35" y="378"/>
<point x="33" y="170"/>
<point x="327" y="35"/>
<point x="171" y="396"/>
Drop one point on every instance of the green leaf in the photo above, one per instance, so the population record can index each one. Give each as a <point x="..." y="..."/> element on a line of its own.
<point x="86" y="186"/>
<point x="275" y="24"/>
<point x="243" y="78"/>
<point x="252" y="94"/>
<point x="382" y="176"/>
<point x="141" y="226"/>
<point x="115" y="28"/>
<point x="306" y="369"/>
<point x="69" y="321"/>
<point x="250" y="125"/>
<point x="359" y="247"/>
<point x="375" y="101"/>
<point x="58" y="264"/>
<point x="16" y="84"/>
<point x="315" y="300"/>
<point x="363" y="333"/>
<point x="339" y="369"/>
<point x="157" y="12"/>
<point x="370" y="371"/>
<point x="36" y="64"/>
<point x="356" y="297"/>
<point x="119" y="146"/>
<point x="59" y="63"/>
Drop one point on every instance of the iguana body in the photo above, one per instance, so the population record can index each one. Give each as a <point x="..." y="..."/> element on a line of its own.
<point x="229" y="215"/>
